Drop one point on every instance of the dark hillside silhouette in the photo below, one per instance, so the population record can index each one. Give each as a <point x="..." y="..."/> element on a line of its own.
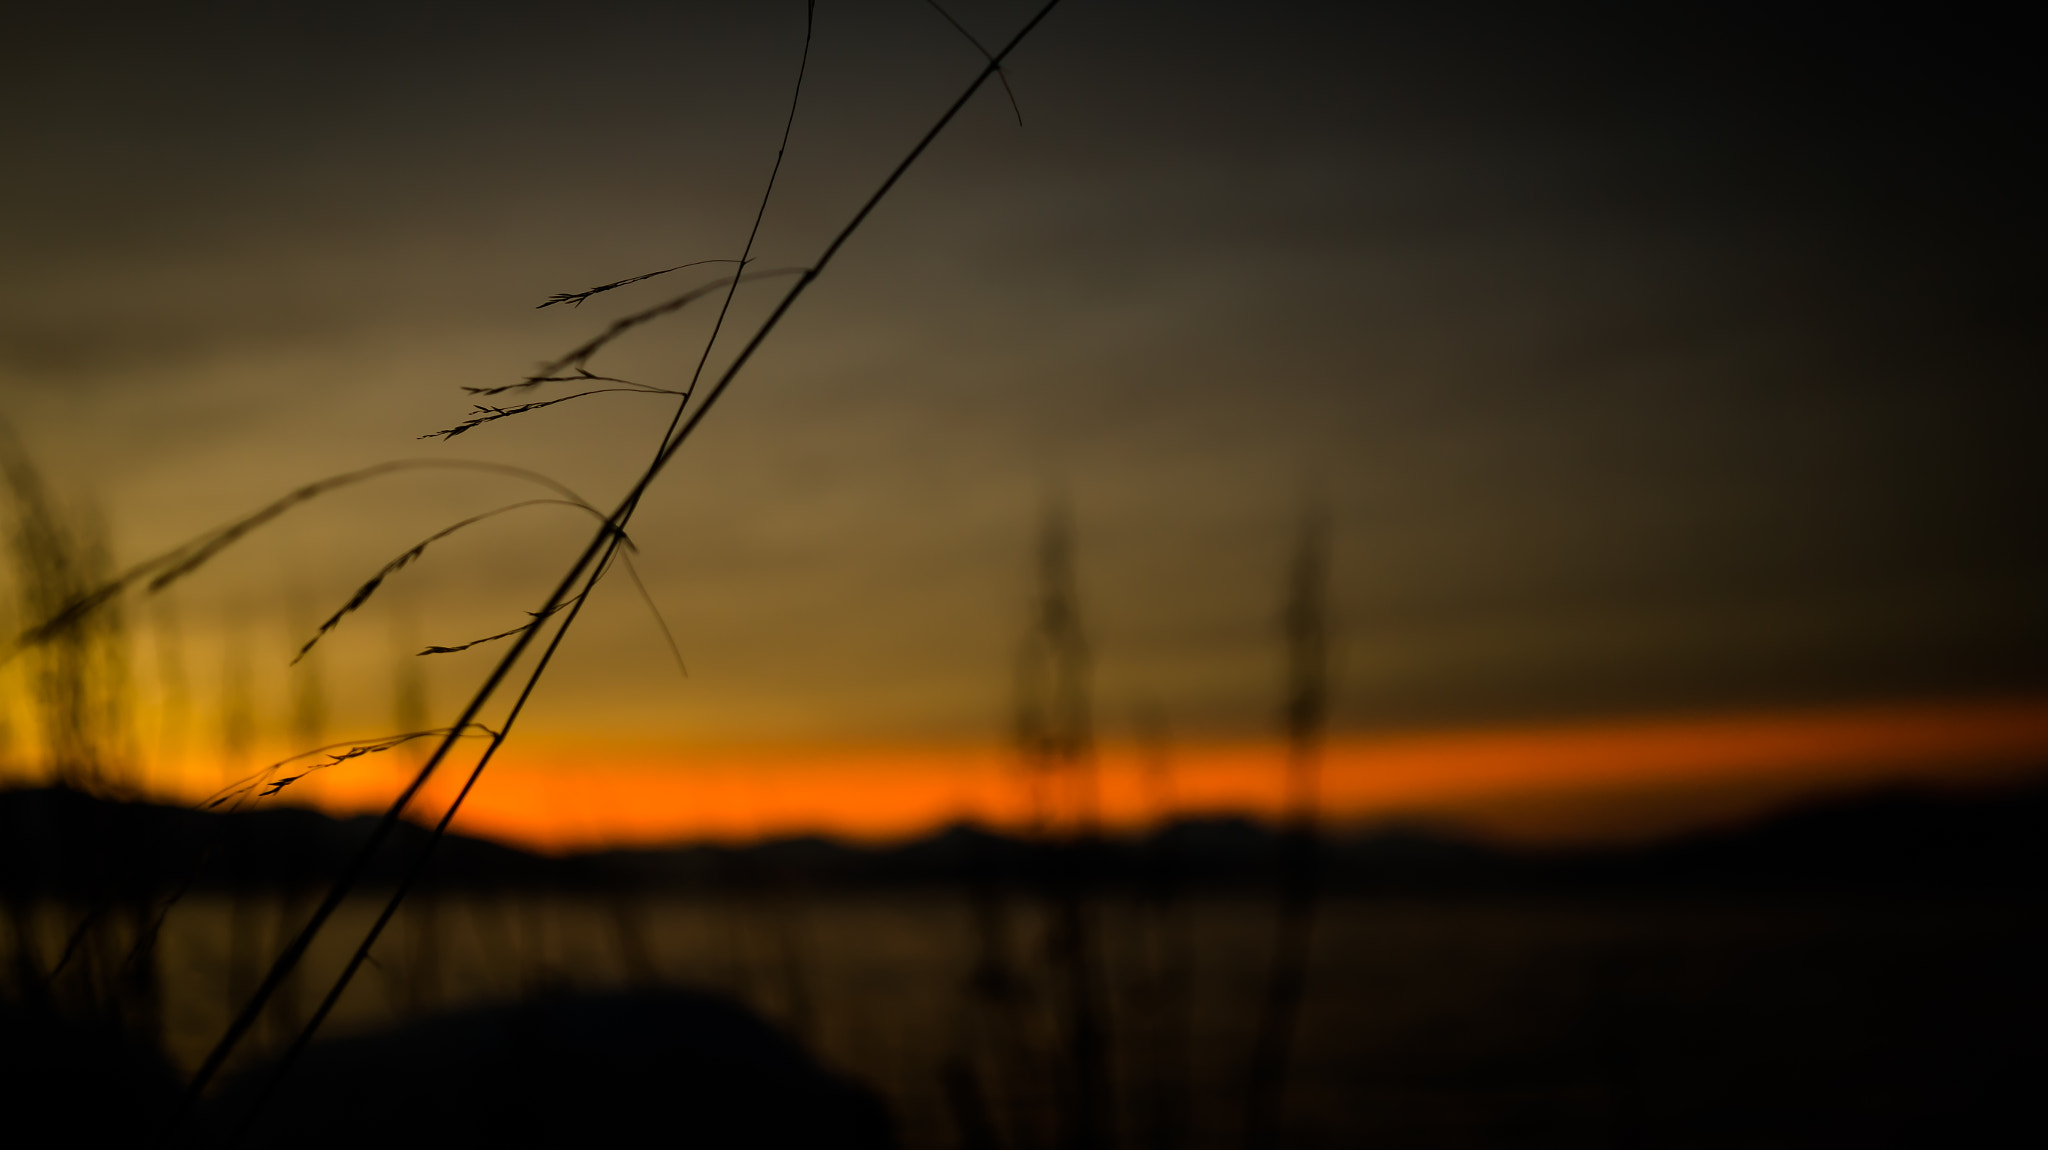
<point x="1897" y="839"/>
<point x="159" y="849"/>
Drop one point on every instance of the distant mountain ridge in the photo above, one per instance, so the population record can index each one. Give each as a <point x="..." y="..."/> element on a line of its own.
<point x="55" y="841"/>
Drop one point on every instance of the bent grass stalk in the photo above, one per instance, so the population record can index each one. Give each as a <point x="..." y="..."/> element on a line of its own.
<point x="587" y="569"/>
<point x="159" y="573"/>
<point x="412" y="554"/>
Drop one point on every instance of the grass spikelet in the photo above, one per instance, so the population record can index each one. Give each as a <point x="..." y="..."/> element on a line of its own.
<point x="576" y="298"/>
<point x="538" y="616"/>
<point x="336" y="753"/>
<point x="581" y="376"/>
<point x="406" y="558"/>
<point x="183" y="560"/>
<point x="489" y="414"/>
<point x="551" y="372"/>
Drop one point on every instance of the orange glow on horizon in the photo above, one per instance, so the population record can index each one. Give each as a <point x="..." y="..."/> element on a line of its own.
<point x="1548" y="782"/>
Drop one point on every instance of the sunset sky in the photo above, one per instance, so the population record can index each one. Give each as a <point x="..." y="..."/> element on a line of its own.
<point x="1679" y="370"/>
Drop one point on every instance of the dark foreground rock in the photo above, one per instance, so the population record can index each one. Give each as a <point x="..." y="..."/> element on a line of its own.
<point x="647" y="1069"/>
<point x="66" y="1082"/>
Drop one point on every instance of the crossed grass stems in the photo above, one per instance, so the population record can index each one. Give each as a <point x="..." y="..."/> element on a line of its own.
<point x="608" y="545"/>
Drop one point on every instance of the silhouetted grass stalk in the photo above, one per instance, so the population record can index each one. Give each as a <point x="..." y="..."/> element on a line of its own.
<point x="76" y="687"/>
<point x="1055" y="741"/>
<point x="1158" y="1047"/>
<point x="1305" y="625"/>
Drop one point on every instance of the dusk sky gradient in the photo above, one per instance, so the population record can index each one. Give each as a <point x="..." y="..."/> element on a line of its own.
<point x="1649" y="364"/>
